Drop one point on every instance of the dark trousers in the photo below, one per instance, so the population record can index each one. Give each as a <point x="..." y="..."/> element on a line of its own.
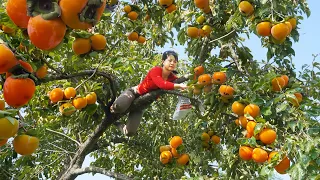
<point x="122" y="103"/>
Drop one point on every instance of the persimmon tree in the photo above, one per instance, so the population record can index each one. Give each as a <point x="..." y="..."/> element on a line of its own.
<point x="248" y="118"/>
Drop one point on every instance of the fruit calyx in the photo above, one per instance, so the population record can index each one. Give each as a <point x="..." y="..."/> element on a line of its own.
<point x="48" y="9"/>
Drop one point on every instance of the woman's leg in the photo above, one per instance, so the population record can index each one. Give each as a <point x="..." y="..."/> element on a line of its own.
<point x="123" y="102"/>
<point x="133" y="123"/>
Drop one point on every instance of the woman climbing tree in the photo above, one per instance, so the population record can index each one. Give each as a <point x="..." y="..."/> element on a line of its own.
<point x="157" y="78"/>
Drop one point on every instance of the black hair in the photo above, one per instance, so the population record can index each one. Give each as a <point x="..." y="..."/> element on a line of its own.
<point x="168" y="53"/>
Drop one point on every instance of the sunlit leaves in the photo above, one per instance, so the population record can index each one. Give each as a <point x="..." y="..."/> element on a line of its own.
<point x="129" y="62"/>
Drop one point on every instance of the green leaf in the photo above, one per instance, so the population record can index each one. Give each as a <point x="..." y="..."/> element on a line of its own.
<point x="299" y="172"/>
<point x="258" y="128"/>
<point x="260" y="120"/>
<point x="252" y="142"/>
<point x="265" y="171"/>
<point x="6" y="112"/>
<point x="259" y="101"/>
<point x="281" y="107"/>
<point x="270" y="54"/>
<point x="242" y="141"/>
<point x="292" y="125"/>
<point x="32" y="132"/>
<point x="266" y="111"/>
<point x="11" y="119"/>
<point x="12" y="111"/>
<point x="93" y="54"/>
<point x="314" y="131"/>
<point x="91" y="109"/>
<point x="69" y="109"/>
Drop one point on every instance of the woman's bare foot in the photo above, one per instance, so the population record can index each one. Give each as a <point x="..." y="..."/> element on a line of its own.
<point x="111" y="109"/>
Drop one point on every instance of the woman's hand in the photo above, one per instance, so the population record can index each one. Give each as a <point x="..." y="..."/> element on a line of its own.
<point x="183" y="86"/>
<point x="180" y="86"/>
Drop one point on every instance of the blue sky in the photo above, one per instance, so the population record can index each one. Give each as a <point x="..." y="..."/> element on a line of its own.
<point x="307" y="45"/>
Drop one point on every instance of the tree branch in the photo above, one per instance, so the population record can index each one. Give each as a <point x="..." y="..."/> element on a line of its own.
<point x="217" y="39"/>
<point x="144" y="101"/>
<point x="63" y="135"/>
<point x="51" y="67"/>
<point x="203" y="51"/>
<point x="101" y="171"/>
<point x="230" y="115"/>
<point x="96" y="69"/>
<point x="85" y="148"/>
<point x="236" y="58"/>
<point x="81" y="74"/>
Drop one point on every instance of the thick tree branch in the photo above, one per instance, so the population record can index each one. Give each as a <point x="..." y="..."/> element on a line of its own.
<point x="101" y="171"/>
<point x="88" y="145"/>
<point x="236" y="59"/>
<point x="144" y="101"/>
<point x="78" y="74"/>
<point x="203" y="51"/>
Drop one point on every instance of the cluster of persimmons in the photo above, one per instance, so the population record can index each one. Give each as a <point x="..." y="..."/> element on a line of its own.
<point x="209" y="138"/>
<point x="205" y="30"/>
<point x="23" y="144"/>
<point x="72" y="102"/>
<point x="206" y="81"/>
<point x="277" y="31"/>
<point x="168" y="152"/>
<point x="132" y="13"/>
<point x="168" y="5"/>
<point x="96" y="42"/>
<point x="280" y="83"/>
<point x="266" y="135"/>
<point x="12" y="93"/>
<point x="247" y="113"/>
<point x="47" y="30"/>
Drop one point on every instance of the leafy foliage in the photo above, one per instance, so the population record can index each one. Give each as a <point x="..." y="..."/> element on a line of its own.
<point x="62" y="137"/>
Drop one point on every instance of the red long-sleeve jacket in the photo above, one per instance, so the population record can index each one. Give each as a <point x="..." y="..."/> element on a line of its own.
<point x="154" y="80"/>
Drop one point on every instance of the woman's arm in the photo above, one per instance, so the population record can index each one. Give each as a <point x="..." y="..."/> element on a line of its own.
<point x="180" y="86"/>
<point x="156" y="76"/>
